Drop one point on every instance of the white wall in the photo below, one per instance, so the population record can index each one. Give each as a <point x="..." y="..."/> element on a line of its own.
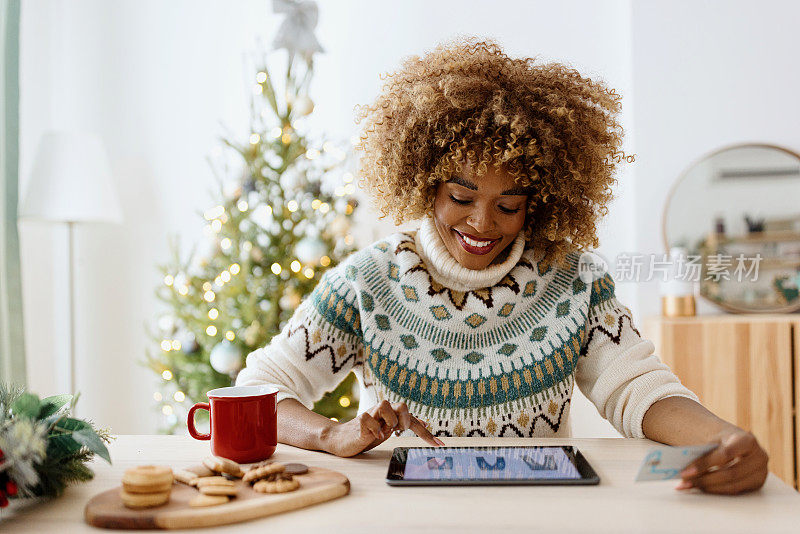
<point x="706" y="74"/>
<point x="156" y="78"/>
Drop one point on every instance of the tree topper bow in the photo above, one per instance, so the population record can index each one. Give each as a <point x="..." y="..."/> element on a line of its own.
<point x="296" y="33"/>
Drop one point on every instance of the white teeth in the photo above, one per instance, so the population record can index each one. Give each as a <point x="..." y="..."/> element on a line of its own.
<point x="479" y="244"/>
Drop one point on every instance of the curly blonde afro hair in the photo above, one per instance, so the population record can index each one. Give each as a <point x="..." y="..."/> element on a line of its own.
<point x="554" y="130"/>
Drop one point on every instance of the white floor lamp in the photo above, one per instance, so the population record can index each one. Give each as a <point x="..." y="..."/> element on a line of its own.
<point x="71" y="183"/>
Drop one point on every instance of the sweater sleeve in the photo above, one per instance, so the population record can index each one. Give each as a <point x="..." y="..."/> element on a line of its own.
<point x="317" y="347"/>
<point x="618" y="370"/>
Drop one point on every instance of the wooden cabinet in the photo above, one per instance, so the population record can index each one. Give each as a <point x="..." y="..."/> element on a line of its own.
<point x="745" y="369"/>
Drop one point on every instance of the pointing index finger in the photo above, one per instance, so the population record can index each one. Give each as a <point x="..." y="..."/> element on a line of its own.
<point x="420" y="430"/>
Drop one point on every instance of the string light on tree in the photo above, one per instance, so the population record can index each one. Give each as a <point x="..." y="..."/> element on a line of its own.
<point x="279" y="221"/>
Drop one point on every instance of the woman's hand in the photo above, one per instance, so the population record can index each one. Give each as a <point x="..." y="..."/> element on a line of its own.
<point x="737" y="465"/>
<point x="372" y="428"/>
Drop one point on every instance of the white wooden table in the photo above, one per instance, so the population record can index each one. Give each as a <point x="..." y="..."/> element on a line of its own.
<point x="616" y="505"/>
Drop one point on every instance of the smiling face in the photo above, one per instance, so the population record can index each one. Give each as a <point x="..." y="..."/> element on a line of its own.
<point x="478" y="217"/>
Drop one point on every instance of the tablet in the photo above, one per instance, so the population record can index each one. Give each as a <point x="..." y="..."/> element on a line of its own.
<point x="457" y="466"/>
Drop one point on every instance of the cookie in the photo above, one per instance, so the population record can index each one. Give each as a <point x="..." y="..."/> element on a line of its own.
<point x="218" y="464"/>
<point x="296" y="469"/>
<point x="261" y="470"/>
<point x="201" y="470"/>
<point x="186" y="477"/>
<point x="143" y="500"/>
<point x="213" y="481"/>
<point x="276" y="486"/>
<point x="201" y="500"/>
<point x="218" y="490"/>
<point x="147" y="479"/>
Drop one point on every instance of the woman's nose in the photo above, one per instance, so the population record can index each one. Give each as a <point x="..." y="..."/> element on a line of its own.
<point x="481" y="220"/>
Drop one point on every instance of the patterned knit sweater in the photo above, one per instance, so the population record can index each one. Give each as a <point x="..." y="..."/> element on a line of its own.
<point x="491" y="352"/>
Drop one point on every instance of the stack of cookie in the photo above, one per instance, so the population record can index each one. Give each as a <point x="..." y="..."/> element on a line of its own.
<point x="273" y="477"/>
<point x="213" y="491"/>
<point x="223" y="466"/>
<point x="216" y="479"/>
<point x="145" y="486"/>
<point x="217" y="485"/>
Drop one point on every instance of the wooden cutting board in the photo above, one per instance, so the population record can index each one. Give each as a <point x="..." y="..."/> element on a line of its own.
<point x="317" y="485"/>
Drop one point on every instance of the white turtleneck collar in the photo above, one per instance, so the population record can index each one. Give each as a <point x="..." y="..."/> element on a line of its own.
<point x="446" y="270"/>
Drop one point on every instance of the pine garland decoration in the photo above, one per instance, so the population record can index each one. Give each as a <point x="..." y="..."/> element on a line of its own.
<point x="42" y="449"/>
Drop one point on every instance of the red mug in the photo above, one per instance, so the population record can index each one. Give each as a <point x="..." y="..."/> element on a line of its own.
<point x="244" y="422"/>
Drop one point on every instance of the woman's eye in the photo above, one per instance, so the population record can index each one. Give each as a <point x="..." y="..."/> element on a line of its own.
<point x="458" y="201"/>
<point x="508" y="210"/>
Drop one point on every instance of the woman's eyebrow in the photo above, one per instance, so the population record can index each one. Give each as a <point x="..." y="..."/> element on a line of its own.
<point x="469" y="185"/>
<point x="463" y="181"/>
<point x="516" y="191"/>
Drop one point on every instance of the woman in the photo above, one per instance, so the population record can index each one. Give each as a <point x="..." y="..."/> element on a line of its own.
<point x="480" y="322"/>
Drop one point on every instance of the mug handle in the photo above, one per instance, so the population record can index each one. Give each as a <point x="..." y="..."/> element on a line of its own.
<point x="190" y="421"/>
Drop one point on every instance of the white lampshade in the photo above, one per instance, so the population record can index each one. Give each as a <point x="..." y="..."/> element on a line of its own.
<point x="71" y="181"/>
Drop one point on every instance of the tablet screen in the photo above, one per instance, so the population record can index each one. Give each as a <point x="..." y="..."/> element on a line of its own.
<point x="490" y="463"/>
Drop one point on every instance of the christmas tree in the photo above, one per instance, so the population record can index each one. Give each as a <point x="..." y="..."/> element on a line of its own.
<point x="272" y="232"/>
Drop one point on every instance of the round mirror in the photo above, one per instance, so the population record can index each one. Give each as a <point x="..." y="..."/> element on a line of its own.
<point x="736" y="212"/>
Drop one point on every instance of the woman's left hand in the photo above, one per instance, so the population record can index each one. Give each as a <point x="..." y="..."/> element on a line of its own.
<point x="737" y="465"/>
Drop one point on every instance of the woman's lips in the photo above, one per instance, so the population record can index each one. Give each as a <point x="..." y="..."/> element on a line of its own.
<point x="472" y="249"/>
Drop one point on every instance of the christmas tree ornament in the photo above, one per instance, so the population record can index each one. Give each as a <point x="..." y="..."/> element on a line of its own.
<point x="303" y="105"/>
<point x="188" y="343"/>
<point x="167" y="324"/>
<point x="232" y="189"/>
<point x="226" y="358"/>
<point x="262" y="240"/>
<point x="180" y="280"/>
<point x="261" y="215"/>
<point x="310" y="250"/>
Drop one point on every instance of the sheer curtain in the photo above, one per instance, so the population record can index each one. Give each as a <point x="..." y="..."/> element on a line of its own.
<point x="12" y="350"/>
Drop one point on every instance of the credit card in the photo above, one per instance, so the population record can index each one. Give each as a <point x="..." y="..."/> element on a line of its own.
<point x="666" y="462"/>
